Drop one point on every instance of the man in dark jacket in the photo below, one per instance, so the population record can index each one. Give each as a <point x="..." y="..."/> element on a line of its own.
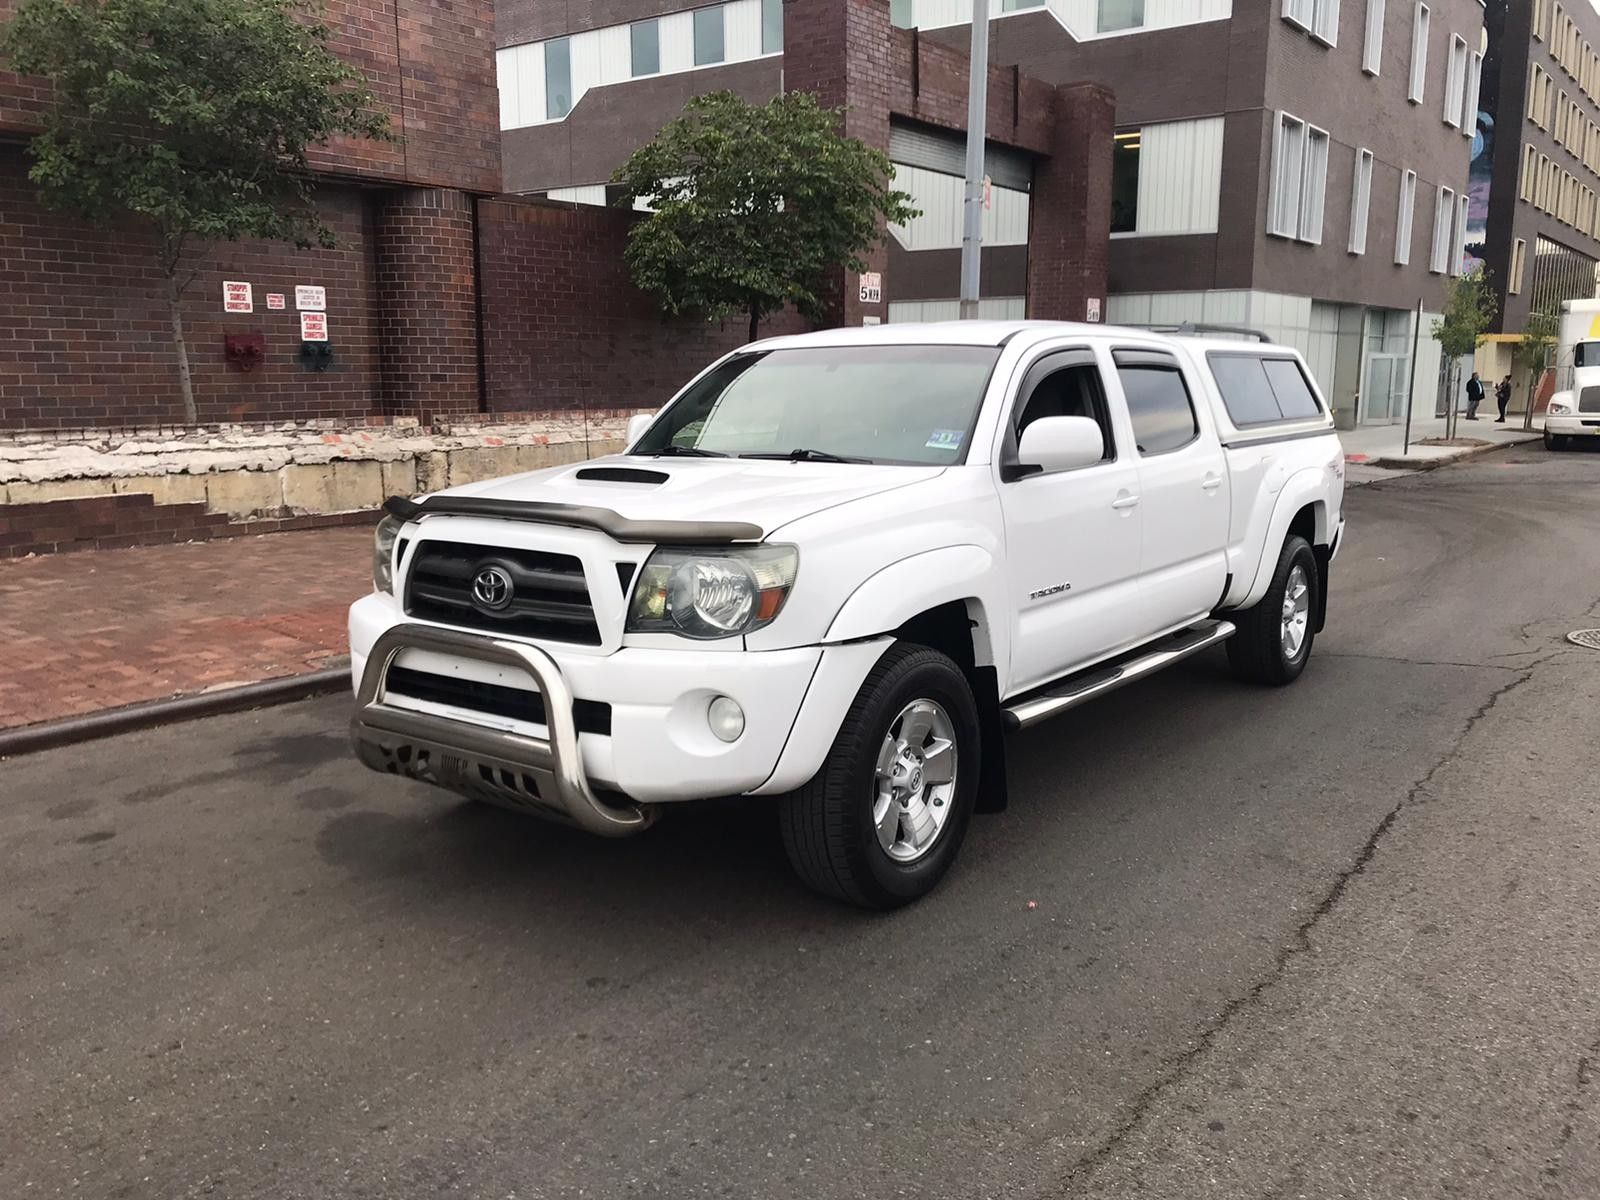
<point x="1474" y="396"/>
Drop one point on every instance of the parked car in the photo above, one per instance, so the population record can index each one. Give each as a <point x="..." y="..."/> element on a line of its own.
<point x="837" y="568"/>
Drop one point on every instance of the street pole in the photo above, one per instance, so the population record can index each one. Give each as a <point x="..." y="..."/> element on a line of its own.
<point x="977" y="120"/>
<point x="1411" y="384"/>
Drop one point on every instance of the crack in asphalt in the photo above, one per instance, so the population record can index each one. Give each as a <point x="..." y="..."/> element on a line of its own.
<point x="1582" y="1077"/>
<point x="1177" y="1068"/>
<point x="1425" y="662"/>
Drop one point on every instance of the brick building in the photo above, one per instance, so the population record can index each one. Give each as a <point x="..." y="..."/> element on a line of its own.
<point x="84" y="339"/>
<point x="1299" y="166"/>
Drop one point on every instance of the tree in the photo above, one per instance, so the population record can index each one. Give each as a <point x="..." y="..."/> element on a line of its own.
<point x="1533" y="350"/>
<point x="754" y="206"/>
<point x="190" y="117"/>
<point x="1469" y="306"/>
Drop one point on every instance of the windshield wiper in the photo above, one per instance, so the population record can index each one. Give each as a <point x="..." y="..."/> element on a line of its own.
<point x="686" y="451"/>
<point x="805" y="455"/>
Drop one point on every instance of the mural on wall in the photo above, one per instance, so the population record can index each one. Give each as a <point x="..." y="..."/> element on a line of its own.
<point x="1481" y="172"/>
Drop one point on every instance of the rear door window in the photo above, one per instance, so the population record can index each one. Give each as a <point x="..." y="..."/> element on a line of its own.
<point x="1258" y="391"/>
<point x="1158" y="401"/>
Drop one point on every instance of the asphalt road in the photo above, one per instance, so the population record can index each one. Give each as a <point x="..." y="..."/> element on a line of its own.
<point x="1337" y="940"/>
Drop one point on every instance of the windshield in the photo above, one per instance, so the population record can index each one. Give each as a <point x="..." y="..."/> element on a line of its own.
<point x="882" y="404"/>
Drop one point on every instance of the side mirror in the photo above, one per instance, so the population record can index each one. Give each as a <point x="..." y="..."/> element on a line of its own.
<point x="1061" y="443"/>
<point x="637" y="424"/>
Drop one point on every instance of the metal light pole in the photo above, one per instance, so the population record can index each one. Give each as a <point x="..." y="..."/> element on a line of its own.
<point x="977" y="119"/>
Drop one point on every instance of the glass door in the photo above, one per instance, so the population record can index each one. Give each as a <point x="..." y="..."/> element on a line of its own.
<point x="1383" y="398"/>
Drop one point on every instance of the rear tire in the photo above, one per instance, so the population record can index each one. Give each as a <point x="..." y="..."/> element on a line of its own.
<point x="1275" y="634"/>
<point x="881" y="822"/>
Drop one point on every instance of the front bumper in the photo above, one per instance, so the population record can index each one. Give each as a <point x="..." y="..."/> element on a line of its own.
<point x="541" y="773"/>
<point x="659" y="747"/>
<point x="1576" y="425"/>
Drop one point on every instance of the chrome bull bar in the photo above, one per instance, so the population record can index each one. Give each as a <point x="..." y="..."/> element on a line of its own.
<point x="543" y="775"/>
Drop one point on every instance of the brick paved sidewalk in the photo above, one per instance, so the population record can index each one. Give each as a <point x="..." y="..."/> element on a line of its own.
<point x="103" y="628"/>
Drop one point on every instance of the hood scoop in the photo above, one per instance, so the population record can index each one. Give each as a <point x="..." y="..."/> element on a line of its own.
<point x="622" y="475"/>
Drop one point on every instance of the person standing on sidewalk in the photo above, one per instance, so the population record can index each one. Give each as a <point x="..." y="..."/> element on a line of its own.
<point x="1502" y="397"/>
<point x="1474" y="396"/>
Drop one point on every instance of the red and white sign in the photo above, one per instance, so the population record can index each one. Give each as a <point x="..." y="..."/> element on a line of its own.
<point x="872" y="287"/>
<point x="313" y="327"/>
<point x="308" y="296"/>
<point x="1093" y="313"/>
<point x="274" y="299"/>
<point x="988" y="193"/>
<point x="237" y="297"/>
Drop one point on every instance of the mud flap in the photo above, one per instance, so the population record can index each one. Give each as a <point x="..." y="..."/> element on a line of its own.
<point x="992" y="792"/>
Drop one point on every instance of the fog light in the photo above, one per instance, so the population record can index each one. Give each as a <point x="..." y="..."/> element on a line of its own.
<point x="726" y="718"/>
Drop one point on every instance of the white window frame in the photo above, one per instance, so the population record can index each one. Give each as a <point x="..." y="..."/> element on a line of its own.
<point x="1455" y="81"/>
<point x="1403" y="218"/>
<point x="1319" y="18"/>
<point x="1372" y="47"/>
<point x="1360" y="201"/>
<point x="1469" y="107"/>
<point x="1420" y="25"/>
<point x="1307" y="173"/>
<point x="1458" y="236"/>
<point x="1519" y="262"/>
<point x="1300" y="12"/>
<point x="1283" y="173"/>
<point x="1444" y="213"/>
<point x="1530" y="172"/>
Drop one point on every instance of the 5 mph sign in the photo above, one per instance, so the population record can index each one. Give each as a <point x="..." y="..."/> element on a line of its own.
<point x="872" y="288"/>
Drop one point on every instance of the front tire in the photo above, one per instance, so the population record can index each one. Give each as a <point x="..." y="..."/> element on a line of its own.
<point x="1555" y="441"/>
<point x="881" y="822"/>
<point x="1275" y="634"/>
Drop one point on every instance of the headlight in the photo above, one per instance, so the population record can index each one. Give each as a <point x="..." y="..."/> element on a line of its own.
<point x="711" y="593"/>
<point x="383" y="553"/>
<point x="1559" y="407"/>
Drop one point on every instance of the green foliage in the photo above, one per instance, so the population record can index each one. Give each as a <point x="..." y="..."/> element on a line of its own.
<point x="191" y="115"/>
<point x="1533" y="347"/>
<point x="755" y="206"/>
<point x="1469" y="306"/>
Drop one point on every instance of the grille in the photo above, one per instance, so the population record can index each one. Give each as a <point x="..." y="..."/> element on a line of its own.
<point x="590" y="716"/>
<point x="1589" y="400"/>
<point x="550" y="597"/>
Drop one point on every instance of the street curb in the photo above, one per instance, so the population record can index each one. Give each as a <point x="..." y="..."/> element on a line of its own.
<point x="1433" y="464"/>
<point x="47" y="735"/>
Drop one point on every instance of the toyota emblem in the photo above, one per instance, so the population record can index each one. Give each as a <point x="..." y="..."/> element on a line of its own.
<point x="492" y="588"/>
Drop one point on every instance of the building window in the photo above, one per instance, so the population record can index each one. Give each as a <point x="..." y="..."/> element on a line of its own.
<point x="1537" y="81"/>
<point x="1541" y="18"/>
<point x="1372" y="48"/>
<point x="1444" y="213"/>
<point x="1455" y="81"/>
<point x="771" y="26"/>
<point x="1319" y="18"/>
<point x="1299" y="180"/>
<point x="1402" y="224"/>
<point x="1125" y="182"/>
<point x="707" y="36"/>
<point x="1112" y="15"/>
<point x="1519" y="264"/>
<point x="1530" y="172"/>
<point x="646" y="36"/>
<point x="1419" y="55"/>
<point x="557" y="79"/>
<point x="1458" y="237"/>
<point x="1360" y="202"/>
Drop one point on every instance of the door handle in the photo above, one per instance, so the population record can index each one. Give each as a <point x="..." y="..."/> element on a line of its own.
<point x="1211" y="482"/>
<point x="1125" y="502"/>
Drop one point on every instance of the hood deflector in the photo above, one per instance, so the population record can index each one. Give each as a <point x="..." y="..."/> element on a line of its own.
<point x="578" y="516"/>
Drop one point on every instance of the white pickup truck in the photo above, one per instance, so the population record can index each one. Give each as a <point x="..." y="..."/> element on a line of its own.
<point x="836" y="568"/>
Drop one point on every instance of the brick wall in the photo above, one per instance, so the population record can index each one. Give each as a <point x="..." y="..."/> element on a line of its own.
<point x="430" y="64"/>
<point x="564" y="328"/>
<point x="427" y="297"/>
<point x="1068" y="245"/>
<point x="85" y="338"/>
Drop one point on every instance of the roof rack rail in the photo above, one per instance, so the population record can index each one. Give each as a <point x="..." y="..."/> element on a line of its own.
<point x="1188" y="327"/>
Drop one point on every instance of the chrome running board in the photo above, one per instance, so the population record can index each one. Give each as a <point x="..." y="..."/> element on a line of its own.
<point x="1097" y="681"/>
